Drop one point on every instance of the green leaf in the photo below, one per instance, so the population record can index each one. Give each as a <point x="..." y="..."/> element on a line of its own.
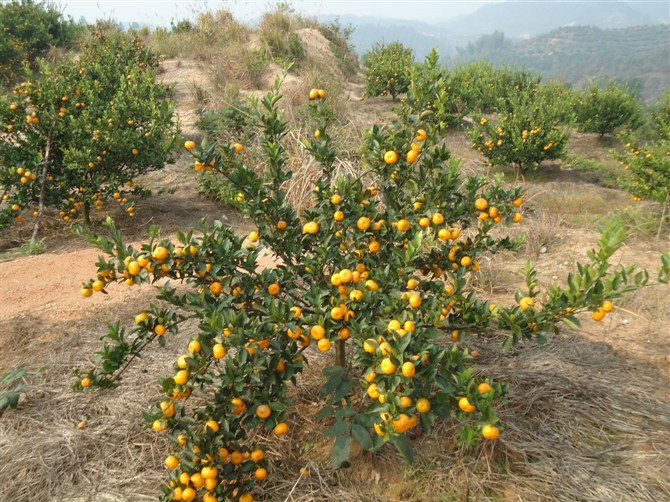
<point x="362" y="436"/>
<point x="338" y="429"/>
<point x="403" y="447"/>
<point x="341" y="449"/>
<point x="571" y="322"/>
<point x="324" y="412"/>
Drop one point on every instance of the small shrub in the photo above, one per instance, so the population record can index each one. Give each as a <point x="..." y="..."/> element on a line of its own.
<point x="604" y="110"/>
<point x="387" y="69"/>
<point x="525" y="136"/>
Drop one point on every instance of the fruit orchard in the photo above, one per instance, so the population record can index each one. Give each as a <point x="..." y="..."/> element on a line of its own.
<point x="379" y="271"/>
<point x="76" y="135"/>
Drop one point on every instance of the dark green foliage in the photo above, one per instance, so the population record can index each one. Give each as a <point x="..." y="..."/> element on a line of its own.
<point x="27" y="30"/>
<point x="387" y="69"/>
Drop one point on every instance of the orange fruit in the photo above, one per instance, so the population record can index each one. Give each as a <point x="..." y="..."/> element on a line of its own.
<point x="390" y="157"/>
<point x="313" y="94"/>
<point x="281" y="225"/>
<point x="363" y="223"/>
<point x="466" y="261"/>
<point x="188" y="494"/>
<point x="415" y="300"/>
<point x="405" y="402"/>
<point x="465" y="405"/>
<point x="218" y="351"/>
<point x="421" y="135"/>
<point x="273" y="289"/>
<point x="517" y="217"/>
<point x="490" y="432"/>
<point x="194" y="346"/>
<point x="483" y="388"/>
<point x="263" y="411"/>
<point x="598" y="315"/>
<point x="160" y="253"/>
<point x="324" y="345"/>
<point x="335" y="199"/>
<point x="437" y="219"/>
<point x="412" y="156"/>
<point x="189" y="145"/>
<point x="408" y="369"/>
<point x="257" y="455"/>
<point x="98" y="285"/>
<point x="338" y="215"/>
<point x="261" y="474"/>
<point x="86" y="382"/>
<point x="86" y="292"/>
<point x="344" y="333"/>
<point x="310" y="228"/>
<point x="159" y="329"/>
<point x="181" y="377"/>
<point x="387" y="366"/>
<point x="607" y="306"/>
<point x="238" y="147"/>
<point x="280" y="429"/>
<point x="423" y="405"/>
<point x="517" y="202"/>
<point x="212" y="425"/>
<point x="481" y="204"/>
<point x="171" y="462"/>
<point x="253" y="236"/>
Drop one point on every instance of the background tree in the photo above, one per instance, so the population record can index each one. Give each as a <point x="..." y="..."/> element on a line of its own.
<point x="77" y="134"/>
<point x="604" y="110"/>
<point x="386" y="69"/>
<point x="527" y="134"/>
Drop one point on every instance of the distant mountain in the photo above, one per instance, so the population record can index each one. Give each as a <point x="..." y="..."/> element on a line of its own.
<point x="525" y="19"/>
<point x="516" y="20"/>
<point x="421" y="37"/>
<point x="639" y="55"/>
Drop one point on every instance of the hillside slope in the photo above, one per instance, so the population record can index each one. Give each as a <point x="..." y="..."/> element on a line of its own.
<point x="639" y="55"/>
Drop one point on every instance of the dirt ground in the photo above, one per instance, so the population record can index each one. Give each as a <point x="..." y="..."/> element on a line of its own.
<point x="587" y="417"/>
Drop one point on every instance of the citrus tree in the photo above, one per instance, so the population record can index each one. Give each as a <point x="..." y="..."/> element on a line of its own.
<point x="604" y="110"/>
<point x="647" y="163"/>
<point x="379" y="271"/>
<point x="28" y="29"/>
<point x="433" y="95"/>
<point x="386" y="68"/>
<point x="76" y="134"/>
<point x="526" y="135"/>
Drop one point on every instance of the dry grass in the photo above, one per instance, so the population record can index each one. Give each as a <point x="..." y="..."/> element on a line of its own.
<point x="582" y="423"/>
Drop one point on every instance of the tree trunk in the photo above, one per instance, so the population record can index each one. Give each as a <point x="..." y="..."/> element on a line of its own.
<point x="87" y="213"/>
<point x="340" y="353"/>
<point x="660" y="224"/>
<point x="43" y="190"/>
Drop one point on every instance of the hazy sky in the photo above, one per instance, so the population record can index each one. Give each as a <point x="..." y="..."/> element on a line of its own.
<point x="162" y="12"/>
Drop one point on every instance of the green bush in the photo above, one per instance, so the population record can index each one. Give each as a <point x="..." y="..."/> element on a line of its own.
<point x="433" y="96"/>
<point x="387" y="69"/>
<point x="603" y="110"/>
<point x="488" y="89"/>
<point x="525" y="136"/>
<point x="79" y="132"/>
<point x="28" y="29"/>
